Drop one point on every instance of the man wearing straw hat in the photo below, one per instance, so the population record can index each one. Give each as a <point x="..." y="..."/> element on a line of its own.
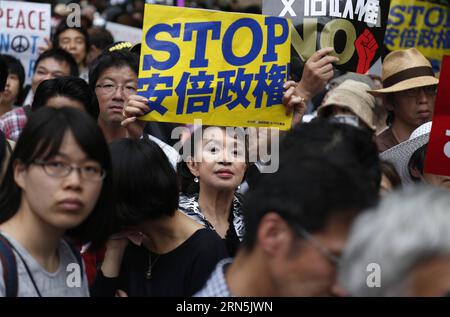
<point x="409" y="91"/>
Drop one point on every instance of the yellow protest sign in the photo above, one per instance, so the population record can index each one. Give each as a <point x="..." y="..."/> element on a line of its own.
<point x="420" y="24"/>
<point x="226" y="69"/>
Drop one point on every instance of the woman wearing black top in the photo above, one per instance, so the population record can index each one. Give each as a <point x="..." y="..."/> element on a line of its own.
<point x="212" y="169"/>
<point x="177" y="254"/>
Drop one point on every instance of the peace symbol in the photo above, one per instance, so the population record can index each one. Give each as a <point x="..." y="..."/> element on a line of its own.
<point x="20" y="44"/>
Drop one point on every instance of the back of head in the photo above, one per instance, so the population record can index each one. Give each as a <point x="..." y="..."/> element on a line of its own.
<point x="61" y="56"/>
<point x="338" y="142"/>
<point x="311" y="186"/>
<point x="71" y="87"/>
<point x="100" y="37"/>
<point x="407" y="228"/>
<point x="145" y="183"/>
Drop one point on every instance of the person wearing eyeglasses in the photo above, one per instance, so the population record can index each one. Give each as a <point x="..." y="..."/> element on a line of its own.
<point x="297" y="219"/>
<point x="57" y="185"/>
<point x="409" y="93"/>
<point x="113" y="78"/>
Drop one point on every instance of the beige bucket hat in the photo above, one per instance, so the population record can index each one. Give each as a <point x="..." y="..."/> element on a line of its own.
<point x="403" y="70"/>
<point x="352" y="95"/>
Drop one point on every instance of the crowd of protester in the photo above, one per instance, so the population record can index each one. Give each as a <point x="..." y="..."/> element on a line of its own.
<point x="84" y="181"/>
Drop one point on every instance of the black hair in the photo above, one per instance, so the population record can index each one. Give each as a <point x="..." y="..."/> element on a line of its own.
<point x="307" y="193"/>
<point x="71" y="87"/>
<point x="15" y="67"/>
<point x="61" y="56"/>
<point x="325" y="169"/>
<point x="3" y="151"/>
<point x="145" y="184"/>
<point x="100" y="37"/>
<point x="3" y="74"/>
<point x="64" y="27"/>
<point x="388" y="170"/>
<point x="117" y="59"/>
<point x="321" y="137"/>
<point x="41" y="139"/>
<point x="187" y="184"/>
<point x="417" y="161"/>
<point x="390" y="98"/>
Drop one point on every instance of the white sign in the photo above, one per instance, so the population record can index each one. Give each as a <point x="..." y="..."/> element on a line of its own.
<point x="124" y="32"/>
<point x="23" y="27"/>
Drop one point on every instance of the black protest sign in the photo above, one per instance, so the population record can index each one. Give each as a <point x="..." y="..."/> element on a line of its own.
<point x="355" y="28"/>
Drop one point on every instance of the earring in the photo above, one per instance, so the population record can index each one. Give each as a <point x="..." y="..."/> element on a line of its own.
<point x="239" y="187"/>
<point x="195" y="179"/>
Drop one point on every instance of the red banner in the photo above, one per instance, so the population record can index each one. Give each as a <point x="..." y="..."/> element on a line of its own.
<point x="437" y="160"/>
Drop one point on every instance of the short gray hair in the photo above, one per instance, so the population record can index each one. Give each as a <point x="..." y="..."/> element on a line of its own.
<point x="406" y="228"/>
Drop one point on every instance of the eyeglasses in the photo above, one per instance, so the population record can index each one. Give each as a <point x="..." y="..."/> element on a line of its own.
<point x="109" y="89"/>
<point x="414" y="92"/>
<point x="60" y="170"/>
<point x="333" y="258"/>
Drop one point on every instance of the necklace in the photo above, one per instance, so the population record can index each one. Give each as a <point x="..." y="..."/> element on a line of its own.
<point x="148" y="274"/>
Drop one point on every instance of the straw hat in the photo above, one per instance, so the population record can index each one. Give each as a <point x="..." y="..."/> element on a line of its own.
<point x="403" y="70"/>
<point x="400" y="154"/>
<point x="352" y="95"/>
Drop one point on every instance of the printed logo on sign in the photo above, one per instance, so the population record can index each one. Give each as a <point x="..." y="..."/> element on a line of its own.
<point x="74" y="277"/>
<point x="374" y="278"/>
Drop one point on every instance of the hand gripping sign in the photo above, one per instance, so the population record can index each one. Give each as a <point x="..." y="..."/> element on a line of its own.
<point x="224" y="68"/>
<point x="437" y="160"/>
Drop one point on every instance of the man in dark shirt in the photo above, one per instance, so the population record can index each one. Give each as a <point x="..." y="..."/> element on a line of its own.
<point x="409" y="91"/>
<point x="297" y="219"/>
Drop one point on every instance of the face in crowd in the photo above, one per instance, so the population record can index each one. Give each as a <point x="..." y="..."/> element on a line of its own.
<point x="12" y="88"/>
<point x="219" y="160"/>
<point x="64" y="188"/>
<point x="49" y="68"/>
<point x="113" y="87"/>
<point x="306" y="264"/>
<point x="413" y="107"/>
<point x="74" y="42"/>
